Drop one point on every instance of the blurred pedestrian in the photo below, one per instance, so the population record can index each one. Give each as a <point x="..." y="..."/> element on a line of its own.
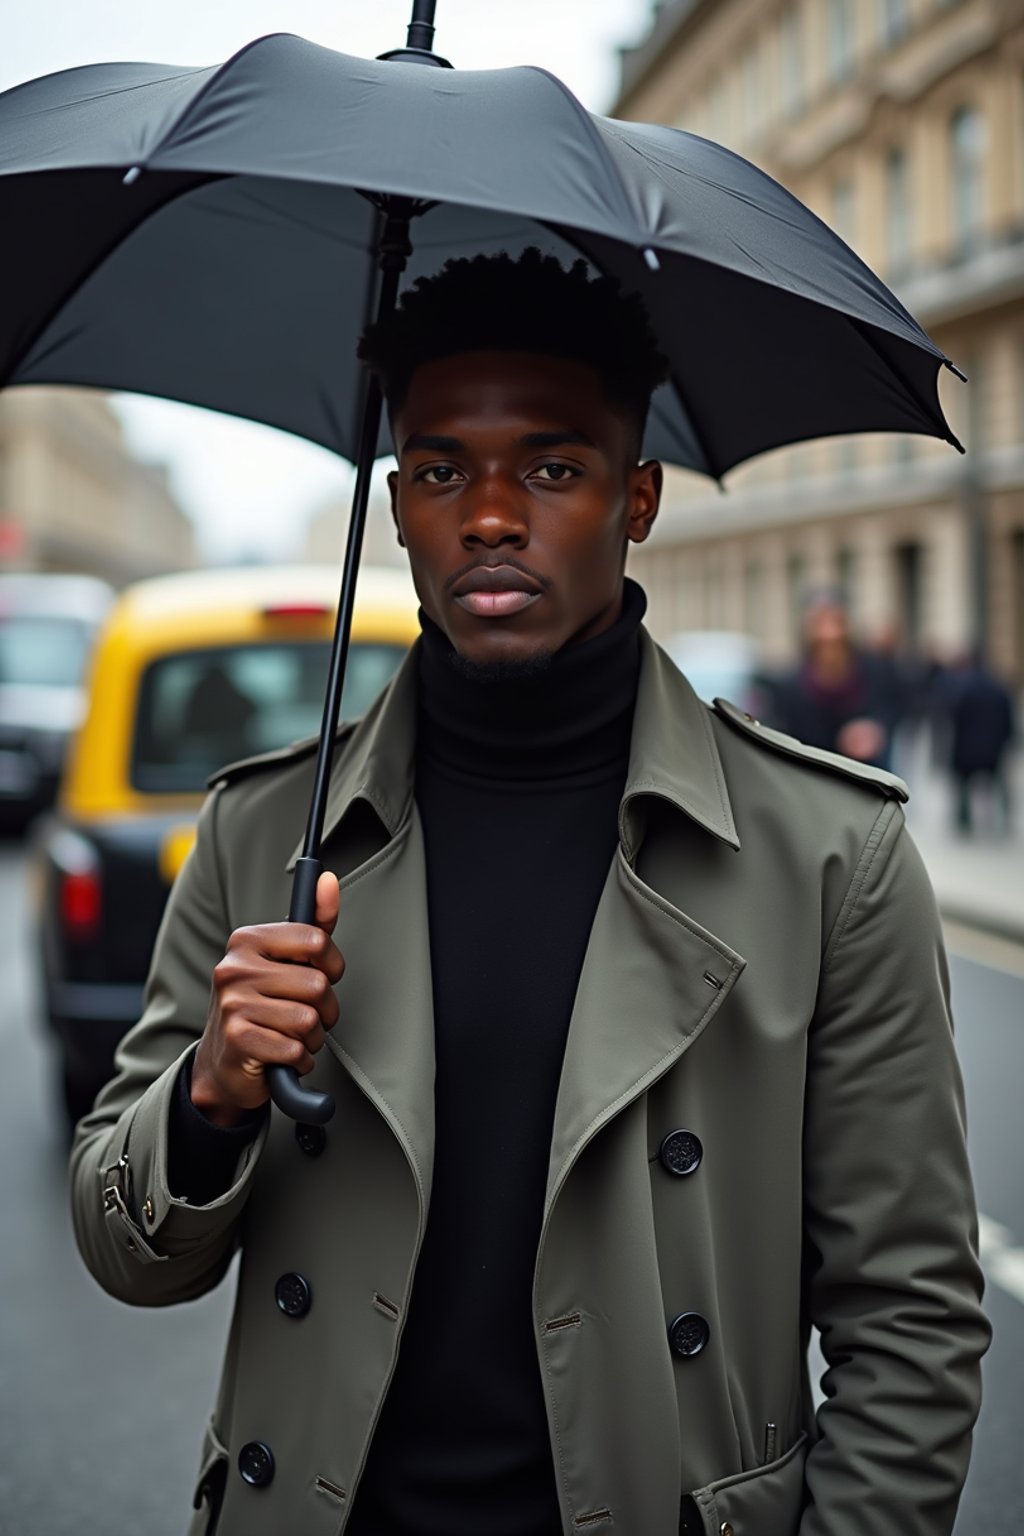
<point x="840" y="698"/>
<point x="981" y="729"/>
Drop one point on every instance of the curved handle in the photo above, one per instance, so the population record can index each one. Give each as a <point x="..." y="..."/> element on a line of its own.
<point x="308" y="1105"/>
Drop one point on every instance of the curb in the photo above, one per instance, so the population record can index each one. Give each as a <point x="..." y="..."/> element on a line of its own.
<point x="1000" y="925"/>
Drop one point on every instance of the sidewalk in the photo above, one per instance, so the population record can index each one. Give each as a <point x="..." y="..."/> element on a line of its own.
<point x="978" y="878"/>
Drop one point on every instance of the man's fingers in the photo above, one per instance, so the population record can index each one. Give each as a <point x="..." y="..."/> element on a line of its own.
<point x="293" y="943"/>
<point x="309" y="984"/>
<point x="258" y="1048"/>
<point x="327" y="902"/>
<point x="251" y="1045"/>
<point x="299" y="1020"/>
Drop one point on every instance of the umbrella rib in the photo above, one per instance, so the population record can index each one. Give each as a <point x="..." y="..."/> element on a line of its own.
<point x="204" y="91"/>
<point x="641" y="236"/>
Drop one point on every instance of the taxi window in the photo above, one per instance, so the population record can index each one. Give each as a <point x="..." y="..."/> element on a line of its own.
<point x="201" y="709"/>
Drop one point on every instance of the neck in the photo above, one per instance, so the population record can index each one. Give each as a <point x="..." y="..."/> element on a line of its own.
<point x="568" y="715"/>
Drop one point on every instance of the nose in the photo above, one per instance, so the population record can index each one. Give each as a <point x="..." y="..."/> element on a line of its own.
<point x="494" y="515"/>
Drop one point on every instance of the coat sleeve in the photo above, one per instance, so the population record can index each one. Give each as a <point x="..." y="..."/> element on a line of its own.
<point x="139" y="1240"/>
<point x="893" y="1282"/>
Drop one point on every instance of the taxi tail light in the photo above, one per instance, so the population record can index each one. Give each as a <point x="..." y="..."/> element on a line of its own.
<point x="297" y="611"/>
<point x="81" y="903"/>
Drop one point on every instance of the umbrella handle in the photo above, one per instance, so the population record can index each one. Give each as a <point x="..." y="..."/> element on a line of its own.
<point x="307" y="1105"/>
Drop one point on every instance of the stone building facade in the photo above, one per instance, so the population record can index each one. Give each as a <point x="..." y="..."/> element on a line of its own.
<point x="901" y="123"/>
<point x="72" y="497"/>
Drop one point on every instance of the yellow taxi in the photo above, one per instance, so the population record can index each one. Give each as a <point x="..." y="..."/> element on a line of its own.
<point x="189" y="672"/>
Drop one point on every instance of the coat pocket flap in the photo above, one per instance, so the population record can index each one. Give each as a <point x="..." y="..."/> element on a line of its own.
<point x="767" y="1501"/>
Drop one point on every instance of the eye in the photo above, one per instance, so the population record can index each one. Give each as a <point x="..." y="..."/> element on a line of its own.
<point x="437" y="474"/>
<point x="556" y="471"/>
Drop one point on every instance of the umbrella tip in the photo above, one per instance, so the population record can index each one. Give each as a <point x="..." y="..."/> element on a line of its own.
<point x="132" y="176"/>
<point x="651" y="258"/>
<point x="954" y="369"/>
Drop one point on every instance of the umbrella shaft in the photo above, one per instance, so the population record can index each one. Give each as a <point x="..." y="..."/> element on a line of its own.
<point x="394" y="249"/>
<point x="421" y="27"/>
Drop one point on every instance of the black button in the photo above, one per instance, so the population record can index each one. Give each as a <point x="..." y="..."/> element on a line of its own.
<point x="294" y="1295"/>
<point x="687" y="1334"/>
<point x="311" y="1138"/>
<point x="256" y="1464"/>
<point x="681" y="1152"/>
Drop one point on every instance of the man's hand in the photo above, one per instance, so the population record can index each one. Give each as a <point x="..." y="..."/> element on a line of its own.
<point x="270" y="1004"/>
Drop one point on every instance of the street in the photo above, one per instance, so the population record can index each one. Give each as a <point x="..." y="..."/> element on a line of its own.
<point x="102" y="1405"/>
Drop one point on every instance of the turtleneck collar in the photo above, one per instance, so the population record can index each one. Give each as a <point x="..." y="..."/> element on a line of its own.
<point x="573" y="718"/>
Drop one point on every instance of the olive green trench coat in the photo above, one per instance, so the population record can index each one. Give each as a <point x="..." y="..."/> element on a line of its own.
<point x="764" y="971"/>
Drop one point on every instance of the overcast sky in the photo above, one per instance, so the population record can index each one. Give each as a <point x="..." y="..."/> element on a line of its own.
<point x="235" y="477"/>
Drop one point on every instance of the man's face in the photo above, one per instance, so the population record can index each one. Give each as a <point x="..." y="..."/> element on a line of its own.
<point x="516" y="496"/>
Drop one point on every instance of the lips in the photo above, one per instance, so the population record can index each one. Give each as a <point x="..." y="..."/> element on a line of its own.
<point x="495" y="591"/>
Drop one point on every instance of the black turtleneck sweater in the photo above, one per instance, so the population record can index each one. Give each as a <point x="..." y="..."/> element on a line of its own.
<point x="518" y="784"/>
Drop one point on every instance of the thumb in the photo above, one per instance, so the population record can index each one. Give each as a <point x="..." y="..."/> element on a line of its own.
<point x="327" y="901"/>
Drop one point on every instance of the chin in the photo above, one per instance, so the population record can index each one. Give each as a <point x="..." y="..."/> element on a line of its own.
<point x="491" y="664"/>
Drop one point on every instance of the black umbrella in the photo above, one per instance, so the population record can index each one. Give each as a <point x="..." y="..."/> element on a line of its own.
<point x="223" y="235"/>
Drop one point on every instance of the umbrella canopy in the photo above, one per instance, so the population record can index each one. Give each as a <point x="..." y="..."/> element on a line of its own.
<point x="222" y="236"/>
<point x="206" y="235"/>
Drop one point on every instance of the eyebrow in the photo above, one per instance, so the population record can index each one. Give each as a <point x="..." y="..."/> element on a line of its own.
<point x="430" y="442"/>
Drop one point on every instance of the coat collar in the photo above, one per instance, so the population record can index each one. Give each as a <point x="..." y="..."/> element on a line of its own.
<point x="673" y="755"/>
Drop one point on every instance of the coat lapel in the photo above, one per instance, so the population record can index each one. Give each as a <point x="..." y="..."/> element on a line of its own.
<point x="385" y="1036"/>
<point x="652" y="978"/>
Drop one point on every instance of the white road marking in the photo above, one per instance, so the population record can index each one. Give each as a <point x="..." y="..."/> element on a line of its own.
<point x="1003" y="1262"/>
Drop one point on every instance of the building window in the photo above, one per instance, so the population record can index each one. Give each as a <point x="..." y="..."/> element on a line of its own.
<point x="846" y="456"/>
<point x="902" y="448"/>
<point x="1017" y="545"/>
<point x="897" y="211"/>
<point x="909" y="571"/>
<point x="846" y="576"/>
<point x="844" y="209"/>
<point x="714" y="592"/>
<point x="977" y="392"/>
<point x="967" y="144"/>
<point x="795" y="594"/>
<point x="792" y="45"/>
<point x="753" y="593"/>
<point x="752" y="98"/>
<point x="895" y="19"/>
<point x="840" y="40"/>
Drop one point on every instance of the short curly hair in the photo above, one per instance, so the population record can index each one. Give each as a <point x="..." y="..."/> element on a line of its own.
<point x="529" y="303"/>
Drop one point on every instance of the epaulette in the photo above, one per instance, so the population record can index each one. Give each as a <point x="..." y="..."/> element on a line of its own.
<point x="293" y="753"/>
<point x="831" y="762"/>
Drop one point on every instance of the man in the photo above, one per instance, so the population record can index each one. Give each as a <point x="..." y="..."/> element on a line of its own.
<point x="641" y="1051"/>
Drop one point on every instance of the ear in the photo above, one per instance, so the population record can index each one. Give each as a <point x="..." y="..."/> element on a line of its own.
<point x="645" y="483"/>
<point x="393" y="494"/>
